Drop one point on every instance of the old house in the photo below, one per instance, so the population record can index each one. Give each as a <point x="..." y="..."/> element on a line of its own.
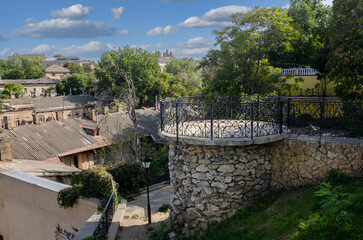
<point x="56" y="72"/>
<point x="32" y="87"/>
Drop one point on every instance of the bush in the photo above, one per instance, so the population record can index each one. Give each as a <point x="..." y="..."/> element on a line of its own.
<point x="93" y="182"/>
<point x="129" y="177"/>
<point x="68" y="196"/>
<point x="335" y="177"/>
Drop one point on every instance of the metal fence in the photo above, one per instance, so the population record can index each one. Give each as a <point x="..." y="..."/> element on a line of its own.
<point x="224" y="116"/>
<point x="101" y="231"/>
<point x="257" y="116"/>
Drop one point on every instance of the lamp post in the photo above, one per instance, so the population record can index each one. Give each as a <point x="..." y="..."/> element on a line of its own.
<point x="145" y="161"/>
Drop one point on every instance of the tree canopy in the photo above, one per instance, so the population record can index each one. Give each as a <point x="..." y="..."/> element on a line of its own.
<point x="74" y="68"/>
<point x="142" y="66"/>
<point x="242" y="63"/>
<point x="22" y="67"/>
<point x="75" y="84"/>
<point x="13" y="87"/>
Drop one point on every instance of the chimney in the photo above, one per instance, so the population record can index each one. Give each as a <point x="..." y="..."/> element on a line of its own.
<point x="59" y="115"/>
<point x="36" y="119"/>
<point x="5" y="149"/>
<point x="105" y="110"/>
<point x="52" y="93"/>
<point x="92" y="115"/>
<point x="12" y="95"/>
<point x="119" y="108"/>
<point x="9" y="124"/>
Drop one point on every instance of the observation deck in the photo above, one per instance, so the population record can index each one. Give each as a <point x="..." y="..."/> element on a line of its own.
<point x="224" y="120"/>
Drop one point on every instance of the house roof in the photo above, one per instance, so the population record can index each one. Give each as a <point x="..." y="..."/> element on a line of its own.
<point x="40" y="81"/>
<point x="57" y="69"/>
<point x="113" y="125"/>
<point x="50" y="139"/>
<point x="44" y="104"/>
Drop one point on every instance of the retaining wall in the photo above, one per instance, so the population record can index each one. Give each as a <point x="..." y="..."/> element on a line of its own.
<point x="210" y="183"/>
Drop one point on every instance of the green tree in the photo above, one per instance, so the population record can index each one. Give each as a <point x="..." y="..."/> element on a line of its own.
<point x="345" y="61"/>
<point x="184" y="77"/>
<point x="74" y="68"/>
<point x="142" y="66"/>
<point x="23" y="67"/>
<point x="58" y="55"/>
<point x="75" y="84"/>
<point x="241" y="64"/>
<point x="13" y="87"/>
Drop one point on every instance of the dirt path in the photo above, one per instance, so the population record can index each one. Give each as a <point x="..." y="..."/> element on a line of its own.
<point x="137" y="229"/>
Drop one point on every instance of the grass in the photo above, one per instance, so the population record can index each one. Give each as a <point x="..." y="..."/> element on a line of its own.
<point x="295" y="214"/>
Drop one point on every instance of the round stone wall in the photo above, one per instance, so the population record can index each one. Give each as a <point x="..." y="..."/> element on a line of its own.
<point x="210" y="183"/>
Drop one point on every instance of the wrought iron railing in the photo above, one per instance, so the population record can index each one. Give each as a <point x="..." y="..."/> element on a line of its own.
<point x="101" y="231"/>
<point x="257" y="116"/>
<point x="328" y="118"/>
<point x="224" y="116"/>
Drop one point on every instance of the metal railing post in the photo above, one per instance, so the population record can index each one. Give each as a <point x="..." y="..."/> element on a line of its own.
<point x="251" y="120"/>
<point x="161" y="116"/>
<point x="177" y="121"/>
<point x="279" y="105"/>
<point x="211" y="121"/>
<point x="288" y="114"/>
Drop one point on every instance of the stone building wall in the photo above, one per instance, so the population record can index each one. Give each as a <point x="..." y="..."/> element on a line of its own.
<point x="303" y="159"/>
<point x="210" y="183"/>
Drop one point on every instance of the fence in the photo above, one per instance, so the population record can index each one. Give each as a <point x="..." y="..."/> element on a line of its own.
<point x="224" y="116"/>
<point x="258" y="116"/>
<point x="299" y="71"/>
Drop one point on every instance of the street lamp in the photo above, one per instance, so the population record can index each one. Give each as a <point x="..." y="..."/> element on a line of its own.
<point x="145" y="161"/>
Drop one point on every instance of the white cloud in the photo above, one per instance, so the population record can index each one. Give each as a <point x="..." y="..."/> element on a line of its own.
<point x="44" y="48"/>
<point x="77" y="11"/>
<point x="3" y="37"/>
<point x="124" y="32"/>
<point x="161" y="31"/>
<point x="117" y="12"/>
<point x="64" y="28"/>
<point x="194" y="51"/>
<point x="5" y="53"/>
<point x="31" y="20"/>
<point x="215" y="17"/>
<point x="197" y="42"/>
<point x="90" y="49"/>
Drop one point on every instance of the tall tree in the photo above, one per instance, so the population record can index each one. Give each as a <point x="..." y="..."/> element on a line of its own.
<point x="23" y="67"/>
<point x="345" y="60"/>
<point x="142" y="66"/>
<point x="74" y="68"/>
<point x="242" y="63"/>
<point x="74" y="84"/>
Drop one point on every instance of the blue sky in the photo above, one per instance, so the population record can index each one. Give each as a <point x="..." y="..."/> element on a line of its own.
<point x="88" y="28"/>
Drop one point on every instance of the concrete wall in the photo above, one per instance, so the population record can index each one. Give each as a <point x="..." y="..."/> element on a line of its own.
<point x="29" y="208"/>
<point x="29" y="88"/>
<point x="210" y="183"/>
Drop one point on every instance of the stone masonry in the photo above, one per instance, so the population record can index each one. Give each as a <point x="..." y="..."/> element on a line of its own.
<point x="210" y="183"/>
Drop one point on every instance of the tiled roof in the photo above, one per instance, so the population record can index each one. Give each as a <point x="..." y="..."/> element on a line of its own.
<point x="29" y="81"/>
<point x="43" y="104"/>
<point x="39" y="142"/>
<point x="57" y="68"/>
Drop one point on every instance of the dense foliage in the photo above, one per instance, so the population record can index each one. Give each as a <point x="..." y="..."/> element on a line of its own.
<point x="74" y="84"/>
<point x="93" y="182"/>
<point x="21" y="67"/>
<point x="12" y="87"/>
<point x="142" y="66"/>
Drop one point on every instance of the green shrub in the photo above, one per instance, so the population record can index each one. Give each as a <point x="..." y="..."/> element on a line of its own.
<point x="77" y="179"/>
<point x="164" y="208"/>
<point x="95" y="182"/>
<point x="129" y="177"/>
<point x="335" y="177"/>
<point x="160" y="165"/>
<point x="68" y="196"/>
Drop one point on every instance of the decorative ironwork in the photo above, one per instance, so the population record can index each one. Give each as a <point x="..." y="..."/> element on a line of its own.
<point x="224" y="116"/>
<point x="328" y="118"/>
<point x="256" y="116"/>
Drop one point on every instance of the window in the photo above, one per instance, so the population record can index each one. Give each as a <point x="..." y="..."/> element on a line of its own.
<point x="76" y="161"/>
<point x="41" y="118"/>
<point x="25" y="90"/>
<point x="43" y="90"/>
<point x="69" y="115"/>
<point x="17" y="122"/>
<point x="76" y="115"/>
<point x="53" y="74"/>
<point x="84" y="114"/>
<point x="34" y="90"/>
